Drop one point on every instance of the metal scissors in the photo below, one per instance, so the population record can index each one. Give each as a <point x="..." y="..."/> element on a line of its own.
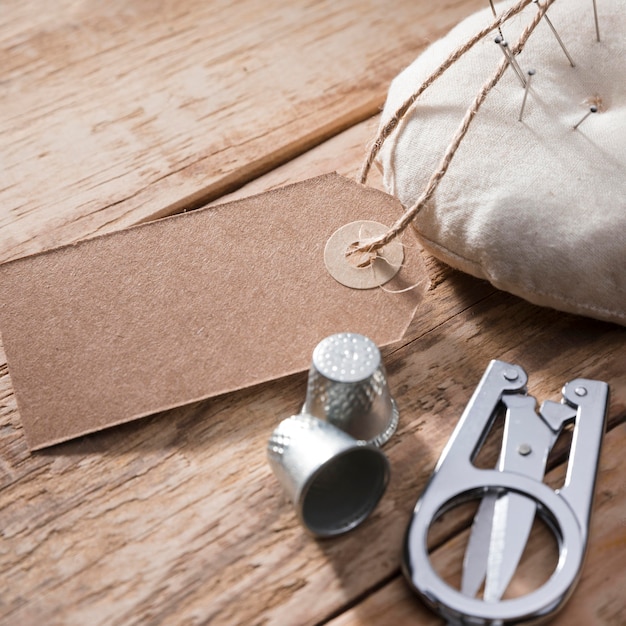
<point x="510" y="495"/>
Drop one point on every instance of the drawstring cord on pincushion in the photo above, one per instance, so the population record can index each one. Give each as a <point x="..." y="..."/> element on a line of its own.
<point x="371" y="247"/>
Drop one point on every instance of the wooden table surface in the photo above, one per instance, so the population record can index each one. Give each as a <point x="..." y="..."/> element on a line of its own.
<point x="121" y="112"/>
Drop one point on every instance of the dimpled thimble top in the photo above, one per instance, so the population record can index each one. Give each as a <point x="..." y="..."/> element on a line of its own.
<point x="346" y="357"/>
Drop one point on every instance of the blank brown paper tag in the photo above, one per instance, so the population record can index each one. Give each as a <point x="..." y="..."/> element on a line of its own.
<point x="131" y="323"/>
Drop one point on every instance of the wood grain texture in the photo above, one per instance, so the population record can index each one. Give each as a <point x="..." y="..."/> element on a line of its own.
<point x="179" y="519"/>
<point x="135" y="112"/>
<point x="115" y="113"/>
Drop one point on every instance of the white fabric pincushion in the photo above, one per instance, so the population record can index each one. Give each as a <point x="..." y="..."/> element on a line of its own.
<point x="535" y="207"/>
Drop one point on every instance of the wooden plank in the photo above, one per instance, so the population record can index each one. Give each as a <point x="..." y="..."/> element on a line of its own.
<point x="179" y="518"/>
<point x="114" y="113"/>
<point x="598" y="598"/>
<point x="342" y="153"/>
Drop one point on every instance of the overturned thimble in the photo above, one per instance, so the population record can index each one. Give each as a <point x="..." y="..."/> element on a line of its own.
<point x="334" y="481"/>
<point x="347" y="387"/>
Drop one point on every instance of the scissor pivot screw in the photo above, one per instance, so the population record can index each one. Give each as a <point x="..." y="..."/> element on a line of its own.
<point x="580" y="391"/>
<point x="511" y="375"/>
<point x="524" y="449"/>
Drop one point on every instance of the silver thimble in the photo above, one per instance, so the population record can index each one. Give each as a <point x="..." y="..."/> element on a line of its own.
<point x="334" y="481"/>
<point x="347" y="387"/>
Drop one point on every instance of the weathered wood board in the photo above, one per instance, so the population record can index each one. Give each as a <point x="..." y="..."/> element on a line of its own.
<point x="117" y="113"/>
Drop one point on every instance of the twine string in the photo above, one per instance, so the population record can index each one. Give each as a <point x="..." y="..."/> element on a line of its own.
<point x="390" y="126"/>
<point x="402" y="223"/>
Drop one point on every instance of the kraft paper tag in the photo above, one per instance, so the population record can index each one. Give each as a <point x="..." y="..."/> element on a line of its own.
<point x="163" y="314"/>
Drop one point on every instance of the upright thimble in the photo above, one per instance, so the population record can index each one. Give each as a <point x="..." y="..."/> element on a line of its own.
<point x="347" y="387"/>
<point x="334" y="481"/>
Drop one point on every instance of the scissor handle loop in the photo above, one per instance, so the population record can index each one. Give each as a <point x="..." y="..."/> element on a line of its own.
<point x="450" y="602"/>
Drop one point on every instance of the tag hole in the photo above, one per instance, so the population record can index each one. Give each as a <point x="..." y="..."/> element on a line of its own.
<point x="348" y="269"/>
<point x="361" y="259"/>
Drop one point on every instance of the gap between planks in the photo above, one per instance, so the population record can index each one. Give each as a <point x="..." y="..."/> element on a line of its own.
<point x="257" y="173"/>
<point x="163" y="110"/>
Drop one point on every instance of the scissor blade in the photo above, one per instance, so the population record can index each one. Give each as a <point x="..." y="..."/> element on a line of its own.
<point x="476" y="553"/>
<point x="485" y="544"/>
<point x="511" y="511"/>
<point x="527" y="442"/>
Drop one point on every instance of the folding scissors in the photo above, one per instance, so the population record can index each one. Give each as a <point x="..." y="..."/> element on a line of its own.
<point x="510" y="495"/>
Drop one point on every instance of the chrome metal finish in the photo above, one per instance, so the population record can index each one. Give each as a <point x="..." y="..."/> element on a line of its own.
<point x="556" y="35"/>
<point x="511" y="495"/>
<point x="334" y="481"/>
<point x="347" y="387"/>
<point x="514" y="513"/>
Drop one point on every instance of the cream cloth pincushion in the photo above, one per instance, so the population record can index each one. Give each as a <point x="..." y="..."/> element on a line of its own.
<point x="535" y="207"/>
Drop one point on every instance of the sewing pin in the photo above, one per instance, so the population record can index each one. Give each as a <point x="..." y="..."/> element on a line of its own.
<point x="595" y="17"/>
<point x="514" y="62"/>
<point x="549" y="21"/>
<point x="592" y="109"/>
<point x="511" y="59"/>
<point x="531" y="73"/>
<point x="493" y="10"/>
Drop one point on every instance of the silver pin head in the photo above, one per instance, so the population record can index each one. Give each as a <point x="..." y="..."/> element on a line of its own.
<point x="347" y="387"/>
<point x="510" y="57"/>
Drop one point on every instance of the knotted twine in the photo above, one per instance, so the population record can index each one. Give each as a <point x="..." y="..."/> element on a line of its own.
<point x="537" y="208"/>
<point x="371" y="247"/>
